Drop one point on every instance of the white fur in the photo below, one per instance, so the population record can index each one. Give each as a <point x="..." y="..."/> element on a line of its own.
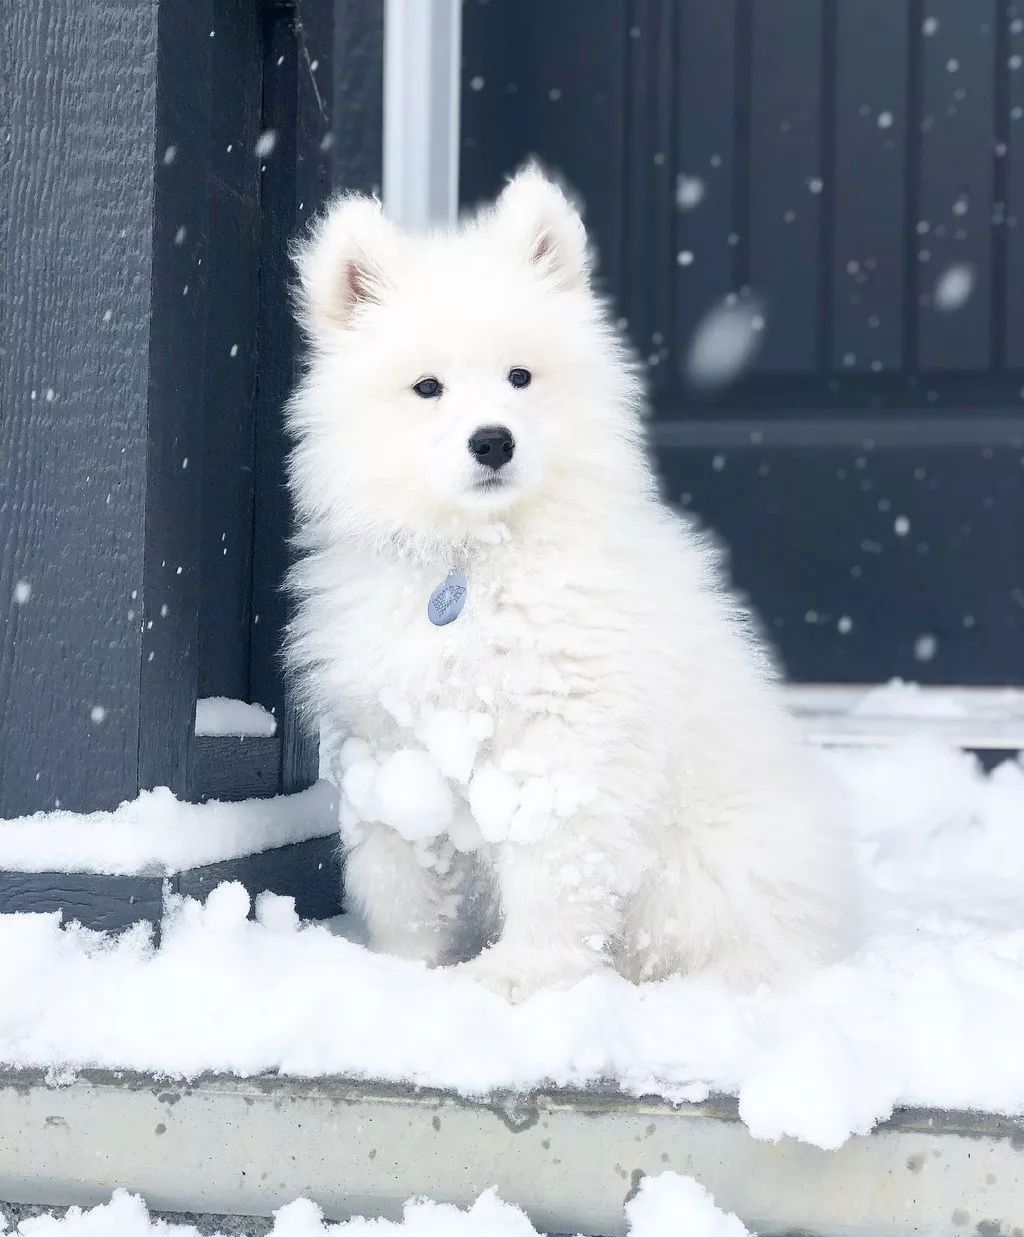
<point x="660" y="816"/>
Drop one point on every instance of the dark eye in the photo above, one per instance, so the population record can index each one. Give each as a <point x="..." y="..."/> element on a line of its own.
<point x="520" y="377"/>
<point x="428" y="388"/>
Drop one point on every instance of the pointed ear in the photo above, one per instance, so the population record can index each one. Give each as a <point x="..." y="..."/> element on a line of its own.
<point x="537" y="219"/>
<point x="344" y="263"/>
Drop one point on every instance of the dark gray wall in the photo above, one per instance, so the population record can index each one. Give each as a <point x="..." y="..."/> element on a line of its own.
<point x="845" y="165"/>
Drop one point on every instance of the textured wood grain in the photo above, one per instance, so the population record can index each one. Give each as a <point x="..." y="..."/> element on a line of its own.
<point x="233" y="768"/>
<point x="104" y="903"/>
<point x="309" y="872"/>
<point x="77" y="183"/>
<point x="177" y="348"/>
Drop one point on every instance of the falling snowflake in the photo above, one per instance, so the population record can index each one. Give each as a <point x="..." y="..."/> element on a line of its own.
<point x="954" y="286"/>
<point x="22" y="592"/>
<point x="925" y="647"/>
<point x="724" y="343"/>
<point x="265" y="143"/>
<point x="689" y="192"/>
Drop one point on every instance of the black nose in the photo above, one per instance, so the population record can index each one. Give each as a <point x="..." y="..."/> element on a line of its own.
<point x="492" y="445"/>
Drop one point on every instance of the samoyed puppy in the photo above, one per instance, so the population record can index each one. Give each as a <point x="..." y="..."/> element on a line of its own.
<point x="544" y="689"/>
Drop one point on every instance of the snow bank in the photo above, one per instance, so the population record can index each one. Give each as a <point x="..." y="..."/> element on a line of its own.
<point x="220" y="715"/>
<point x="928" y="1011"/>
<point x="666" y="1206"/>
<point x="157" y="834"/>
<point x="673" y="1206"/>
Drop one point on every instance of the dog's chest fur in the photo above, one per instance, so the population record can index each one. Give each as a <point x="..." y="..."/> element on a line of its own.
<point x="506" y="650"/>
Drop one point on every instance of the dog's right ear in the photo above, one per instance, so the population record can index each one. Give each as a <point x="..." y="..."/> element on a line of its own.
<point x="344" y="264"/>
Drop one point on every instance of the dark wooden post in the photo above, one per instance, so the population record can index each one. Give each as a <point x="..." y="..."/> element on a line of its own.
<point x="157" y="159"/>
<point x="100" y="433"/>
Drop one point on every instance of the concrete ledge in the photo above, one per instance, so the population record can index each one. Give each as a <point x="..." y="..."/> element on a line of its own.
<point x="246" y="1146"/>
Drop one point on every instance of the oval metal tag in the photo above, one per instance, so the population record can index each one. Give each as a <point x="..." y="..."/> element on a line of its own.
<point x="447" y="600"/>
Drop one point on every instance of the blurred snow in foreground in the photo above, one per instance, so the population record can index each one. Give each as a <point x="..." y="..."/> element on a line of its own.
<point x="665" y="1206"/>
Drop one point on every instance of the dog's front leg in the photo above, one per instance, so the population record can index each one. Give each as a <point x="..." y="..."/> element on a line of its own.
<point x="561" y="909"/>
<point x="406" y="893"/>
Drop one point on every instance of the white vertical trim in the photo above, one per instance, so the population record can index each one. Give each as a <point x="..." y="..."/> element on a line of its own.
<point x="422" y="54"/>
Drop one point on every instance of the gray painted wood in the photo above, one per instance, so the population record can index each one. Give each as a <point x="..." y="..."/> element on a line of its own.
<point x="865" y="187"/>
<point x="786" y="114"/>
<point x="146" y="349"/>
<point x="104" y="903"/>
<point x="865" y="406"/>
<point x="310" y="872"/>
<point x="230" y="767"/>
<point x="78" y="181"/>
<point x="706" y="166"/>
<point x="1008" y="189"/>
<point x="176" y="388"/>
<point x="285" y="64"/>
<point x="230" y="362"/>
<point x="956" y="175"/>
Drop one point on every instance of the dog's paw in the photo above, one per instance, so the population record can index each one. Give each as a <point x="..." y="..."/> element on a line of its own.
<point x="516" y="978"/>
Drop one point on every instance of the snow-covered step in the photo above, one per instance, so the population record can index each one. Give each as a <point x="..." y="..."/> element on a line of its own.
<point x="976" y="718"/>
<point x="232" y="1146"/>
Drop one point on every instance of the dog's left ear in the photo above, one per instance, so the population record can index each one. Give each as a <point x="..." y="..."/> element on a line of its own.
<point x="535" y="216"/>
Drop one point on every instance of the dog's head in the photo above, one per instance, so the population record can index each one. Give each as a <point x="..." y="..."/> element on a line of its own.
<point x="456" y="378"/>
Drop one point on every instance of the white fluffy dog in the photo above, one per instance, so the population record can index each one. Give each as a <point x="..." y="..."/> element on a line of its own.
<point x="547" y="690"/>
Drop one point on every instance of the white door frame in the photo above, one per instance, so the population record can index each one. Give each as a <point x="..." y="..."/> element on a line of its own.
<point x="422" y="57"/>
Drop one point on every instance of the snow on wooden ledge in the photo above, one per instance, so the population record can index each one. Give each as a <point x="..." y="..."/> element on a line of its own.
<point x="157" y="834"/>
<point x="220" y="715"/>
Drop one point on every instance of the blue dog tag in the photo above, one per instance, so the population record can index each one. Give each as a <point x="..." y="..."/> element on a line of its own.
<point x="447" y="600"/>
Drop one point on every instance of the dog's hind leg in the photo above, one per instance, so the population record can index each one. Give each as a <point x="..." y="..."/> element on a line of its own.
<point x="407" y="893"/>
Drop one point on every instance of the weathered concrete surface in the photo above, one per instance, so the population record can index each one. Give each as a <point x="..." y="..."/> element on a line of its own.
<point x="216" y="1226"/>
<point x="570" y="1159"/>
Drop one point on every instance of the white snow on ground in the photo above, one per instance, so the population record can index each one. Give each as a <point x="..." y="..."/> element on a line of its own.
<point x="929" y="1010"/>
<point x="673" y="1206"/>
<point x="665" y="1206"/>
<point x="158" y="834"/>
<point x="220" y="715"/>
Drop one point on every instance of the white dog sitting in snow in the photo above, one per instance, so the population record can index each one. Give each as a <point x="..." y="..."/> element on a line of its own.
<point x="547" y="690"/>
